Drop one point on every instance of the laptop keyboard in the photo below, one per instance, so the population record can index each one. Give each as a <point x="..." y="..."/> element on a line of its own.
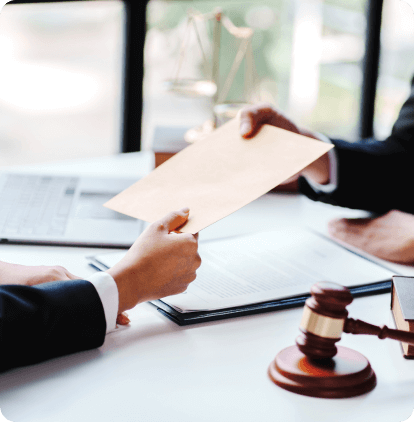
<point x="36" y="204"/>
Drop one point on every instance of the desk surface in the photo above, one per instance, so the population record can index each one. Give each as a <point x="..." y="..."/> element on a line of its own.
<point x="157" y="371"/>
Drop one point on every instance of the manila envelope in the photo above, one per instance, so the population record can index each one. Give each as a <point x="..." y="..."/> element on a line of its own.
<point x="218" y="175"/>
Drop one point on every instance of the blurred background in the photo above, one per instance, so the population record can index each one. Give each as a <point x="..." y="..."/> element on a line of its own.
<point x="61" y="73"/>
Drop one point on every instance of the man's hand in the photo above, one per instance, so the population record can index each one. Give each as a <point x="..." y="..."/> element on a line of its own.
<point x="31" y="275"/>
<point x="252" y="118"/>
<point x="26" y="275"/>
<point x="389" y="237"/>
<point x="160" y="263"/>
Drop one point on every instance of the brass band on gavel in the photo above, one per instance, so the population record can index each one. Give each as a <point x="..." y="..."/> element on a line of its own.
<point x="320" y="325"/>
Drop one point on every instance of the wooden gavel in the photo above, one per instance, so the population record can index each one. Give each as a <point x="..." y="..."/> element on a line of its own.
<point x="325" y="318"/>
<point x="315" y="366"/>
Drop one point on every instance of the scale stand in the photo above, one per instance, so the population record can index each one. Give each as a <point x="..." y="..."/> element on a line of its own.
<point x="222" y="110"/>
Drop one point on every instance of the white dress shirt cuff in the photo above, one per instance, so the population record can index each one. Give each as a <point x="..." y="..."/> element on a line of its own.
<point x="108" y="292"/>
<point x="333" y="171"/>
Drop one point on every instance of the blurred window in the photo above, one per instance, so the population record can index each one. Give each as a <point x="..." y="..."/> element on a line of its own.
<point x="62" y="63"/>
<point x="308" y="58"/>
<point x="60" y="80"/>
<point x="396" y="64"/>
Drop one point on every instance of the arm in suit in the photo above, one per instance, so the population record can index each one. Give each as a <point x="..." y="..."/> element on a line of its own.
<point x="374" y="175"/>
<point x="61" y="317"/>
<point x="48" y="320"/>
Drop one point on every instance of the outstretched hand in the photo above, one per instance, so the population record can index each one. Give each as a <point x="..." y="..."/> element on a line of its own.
<point x="252" y="118"/>
<point x="162" y="262"/>
<point x="389" y="237"/>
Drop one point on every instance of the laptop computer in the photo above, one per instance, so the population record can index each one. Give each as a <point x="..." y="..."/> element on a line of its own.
<point x="64" y="210"/>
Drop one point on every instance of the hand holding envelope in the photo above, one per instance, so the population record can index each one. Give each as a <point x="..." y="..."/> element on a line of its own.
<point x="219" y="175"/>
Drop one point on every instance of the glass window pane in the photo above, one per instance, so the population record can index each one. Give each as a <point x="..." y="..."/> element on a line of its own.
<point x="60" y="80"/>
<point x="342" y="39"/>
<point x="307" y="59"/>
<point x="396" y="64"/>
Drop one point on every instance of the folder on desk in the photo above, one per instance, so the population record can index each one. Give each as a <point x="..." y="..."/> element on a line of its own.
<point x="265" y="272"/>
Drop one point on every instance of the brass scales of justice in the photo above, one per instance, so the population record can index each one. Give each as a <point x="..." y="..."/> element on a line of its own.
<point x="210" y="86"/>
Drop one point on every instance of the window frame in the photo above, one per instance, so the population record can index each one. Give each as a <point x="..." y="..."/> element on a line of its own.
<point x="133" y="74"/>
<point x="370" y="68"/>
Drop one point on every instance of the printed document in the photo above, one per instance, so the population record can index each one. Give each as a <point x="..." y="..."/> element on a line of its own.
<point x="267" y="266"/>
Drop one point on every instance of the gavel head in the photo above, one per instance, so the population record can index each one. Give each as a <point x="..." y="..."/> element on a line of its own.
<point x="323" y="320"/>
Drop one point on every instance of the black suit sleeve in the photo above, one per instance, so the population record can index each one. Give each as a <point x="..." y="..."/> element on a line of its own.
<point x="375" y="175"/>
<point x="49" y="320"/>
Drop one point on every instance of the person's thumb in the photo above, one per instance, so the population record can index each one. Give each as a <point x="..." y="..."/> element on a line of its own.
<point x="252" y="118"/>
<point x="245" y="127"/>
<point x="175" y="219"/>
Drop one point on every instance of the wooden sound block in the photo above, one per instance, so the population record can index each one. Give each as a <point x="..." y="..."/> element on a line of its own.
<point x="348" y="374"/>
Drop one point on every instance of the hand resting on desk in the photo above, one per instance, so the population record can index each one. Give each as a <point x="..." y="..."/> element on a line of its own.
<point x="33" y="275"/>
<point x="389" y="237"/>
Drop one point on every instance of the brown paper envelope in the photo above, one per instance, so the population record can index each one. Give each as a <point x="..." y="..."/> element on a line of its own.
<point x="218" y="175"/>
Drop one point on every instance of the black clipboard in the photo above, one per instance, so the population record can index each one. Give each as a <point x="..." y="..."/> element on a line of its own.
<point x="189" y="318"/>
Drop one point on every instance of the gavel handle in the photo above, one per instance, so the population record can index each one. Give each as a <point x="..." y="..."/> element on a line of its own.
<point x="356" y="326"/>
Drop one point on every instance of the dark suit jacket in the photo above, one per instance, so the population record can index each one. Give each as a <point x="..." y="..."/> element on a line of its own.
<point x="375" y="175"/>
<point x="49" y="320"/>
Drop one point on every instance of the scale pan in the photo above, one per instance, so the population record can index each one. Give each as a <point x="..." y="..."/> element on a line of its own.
<point x="191" y="87"/>
<point x="227" y="111"/>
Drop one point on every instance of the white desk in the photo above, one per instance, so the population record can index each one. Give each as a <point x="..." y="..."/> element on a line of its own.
<point x="157" y="371"/>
